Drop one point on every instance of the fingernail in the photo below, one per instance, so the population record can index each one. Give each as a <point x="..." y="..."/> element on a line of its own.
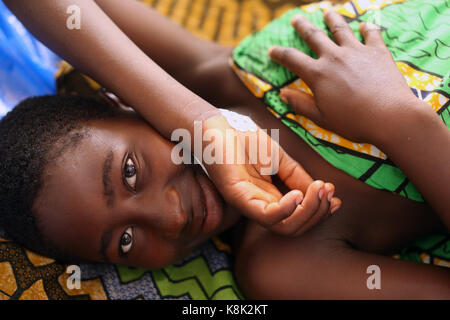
<point x="371" y="26"/>
<point x="321" y="194"/>
<point x="296" y="19"/>
<point x="330" y="195"/>
<point x="299" y="199"/>
<point x="271" y="49"/>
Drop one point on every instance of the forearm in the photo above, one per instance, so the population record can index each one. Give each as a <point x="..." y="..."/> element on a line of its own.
<point x="174" y="49"/>
<point x="419" y="144"/>
<point x="321" y="265"/>
<point x="101" y="50"/>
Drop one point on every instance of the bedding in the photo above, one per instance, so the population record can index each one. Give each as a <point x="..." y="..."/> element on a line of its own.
<point x="207" y="272"/>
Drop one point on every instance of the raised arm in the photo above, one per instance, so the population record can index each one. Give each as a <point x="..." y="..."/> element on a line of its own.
<point x="180" y="53"/>
<point x="100" y="49"/>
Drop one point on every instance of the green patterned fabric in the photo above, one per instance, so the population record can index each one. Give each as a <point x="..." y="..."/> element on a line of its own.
<point x="195" y="278"/>
<point x="206" y="274"/>
<point x="434" y="249"/>
<point x="417" y="33"/>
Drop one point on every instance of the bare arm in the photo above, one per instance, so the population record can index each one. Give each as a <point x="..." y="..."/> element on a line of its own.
<point x="321" y="265"/>
<point x="419" y="144"/>
<point x="336" y="272"/>
<point x="101" y="42"/>
<point x="194" y="62"/>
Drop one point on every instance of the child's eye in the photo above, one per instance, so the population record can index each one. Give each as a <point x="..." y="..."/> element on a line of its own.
<point x="126" y="241"/>
<point x="129" y="173"/>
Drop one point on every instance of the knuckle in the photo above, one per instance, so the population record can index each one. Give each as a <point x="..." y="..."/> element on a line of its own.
<point x="290" y="168"/>
<point x="318" y="70"/>
<point x="381" y="52"/>
<point x="372" y="32"/>
<point x="371" y="29"/>
<point x="336" y="55"/>
<point x="309" y="33"/>
<point x="340" y="28"/>
<point x="288" y="55"/>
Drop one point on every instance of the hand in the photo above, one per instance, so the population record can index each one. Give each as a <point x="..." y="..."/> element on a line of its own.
<point x="247" y="185"/>
<point x="356" y="87"/>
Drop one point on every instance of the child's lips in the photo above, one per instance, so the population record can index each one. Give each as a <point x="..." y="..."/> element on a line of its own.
<point x="199" y="208"/>
<point x="210" y="212"/>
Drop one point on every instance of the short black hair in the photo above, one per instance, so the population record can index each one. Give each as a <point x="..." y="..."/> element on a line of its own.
<point x="34" y="133"/>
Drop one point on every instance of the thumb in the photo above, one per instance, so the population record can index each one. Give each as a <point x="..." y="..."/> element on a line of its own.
<point x="302" y="103"/>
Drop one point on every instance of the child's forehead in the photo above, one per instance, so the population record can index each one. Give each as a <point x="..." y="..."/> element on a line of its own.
<point x="71" y="199"/>
<point x="75" y="167"/>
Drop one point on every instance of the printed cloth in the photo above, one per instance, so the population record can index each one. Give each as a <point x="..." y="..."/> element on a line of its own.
<point x="417" y="34"/>
<point x="207" y="272"/>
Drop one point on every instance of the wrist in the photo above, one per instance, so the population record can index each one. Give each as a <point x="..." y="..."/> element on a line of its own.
<point x="220" y="132"/>
<point x="412" y="119"/>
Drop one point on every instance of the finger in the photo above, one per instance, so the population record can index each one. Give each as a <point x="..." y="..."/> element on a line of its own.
<point x="315" y="38"/>
<point x="342" y="33"/>
<point x="372" y="34"/>
<point x="329" y="192"/>
<point x="277" y="211"/>
<point x="262" y="206"/>
<point x="335" y="205"/>
<point x="292" y="173"/>
<point x="303" y="213"/>
<point x="296" y="61"/>
<point x="321" y="213"/>
<point x="302" y="103"/>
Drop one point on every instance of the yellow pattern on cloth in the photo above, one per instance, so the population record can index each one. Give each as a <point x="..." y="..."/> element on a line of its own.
<point x="349" y="8"/>
<point x="224" y="21"/>
<point x="416" y="79"/>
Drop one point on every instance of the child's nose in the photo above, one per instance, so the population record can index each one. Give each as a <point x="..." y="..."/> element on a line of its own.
<point x="174" y="218"/>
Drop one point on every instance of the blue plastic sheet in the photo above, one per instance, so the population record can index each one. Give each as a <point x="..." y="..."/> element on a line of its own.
<point x="27" y="67"/>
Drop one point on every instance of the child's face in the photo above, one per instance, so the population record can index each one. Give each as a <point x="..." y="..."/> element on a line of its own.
<point x="118" y="197"/>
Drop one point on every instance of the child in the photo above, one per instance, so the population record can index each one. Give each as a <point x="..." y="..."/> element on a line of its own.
<point x="110" y="192"/>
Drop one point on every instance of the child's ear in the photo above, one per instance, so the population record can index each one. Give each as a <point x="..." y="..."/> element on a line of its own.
<point x="112" y="100"/>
